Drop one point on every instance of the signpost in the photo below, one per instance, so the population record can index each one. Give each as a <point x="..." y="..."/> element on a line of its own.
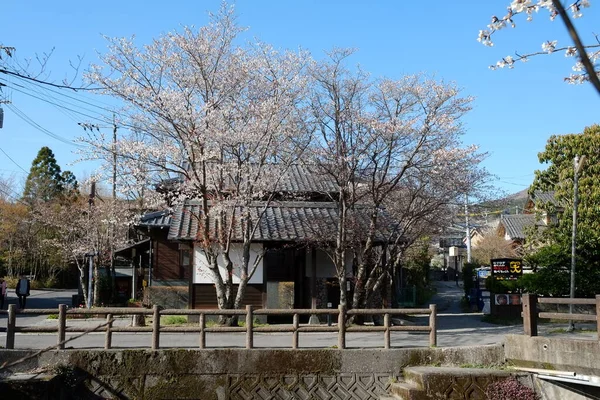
<point x="506" y="269"/>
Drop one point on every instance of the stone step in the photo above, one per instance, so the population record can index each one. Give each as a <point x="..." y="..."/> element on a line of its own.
<point x="406" y="391"/>
<point x="447" y="382"/>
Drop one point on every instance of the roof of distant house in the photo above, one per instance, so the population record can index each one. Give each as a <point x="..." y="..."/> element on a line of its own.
<point x="156" y="219"/>
<point x="516" y="224"/>
<point x="544" y="197"/>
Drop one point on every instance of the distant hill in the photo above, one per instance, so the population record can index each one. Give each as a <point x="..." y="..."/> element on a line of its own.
<point x="489" y="211"/>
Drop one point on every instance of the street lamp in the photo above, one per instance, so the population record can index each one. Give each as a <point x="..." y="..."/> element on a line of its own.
<point x="577" y="165"/>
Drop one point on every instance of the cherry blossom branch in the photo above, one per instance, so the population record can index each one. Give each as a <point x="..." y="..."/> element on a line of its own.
<point x="555" y="8"/>
<point x="589" y="67"/>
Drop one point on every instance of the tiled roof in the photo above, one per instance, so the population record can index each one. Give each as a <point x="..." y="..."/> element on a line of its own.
<point x="305" y="178"/>
<point x="283" y="221"/>
<point x="516" y="224"/>
<point x="294" y="179"/>
<point x="544" y="197"/>
<point x="156" y="219"/>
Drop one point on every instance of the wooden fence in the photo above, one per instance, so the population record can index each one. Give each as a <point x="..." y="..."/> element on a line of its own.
<point x="531" y="313"/>
<point x="249" y="313"/>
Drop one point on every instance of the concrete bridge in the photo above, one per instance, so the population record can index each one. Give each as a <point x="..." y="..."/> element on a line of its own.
<point x="550" y="366"/>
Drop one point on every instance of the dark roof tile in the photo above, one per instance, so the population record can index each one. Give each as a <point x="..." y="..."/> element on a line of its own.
<point x="283" y="221"/>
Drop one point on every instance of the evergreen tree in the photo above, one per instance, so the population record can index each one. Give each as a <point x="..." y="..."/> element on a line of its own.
<point x="558" y="177"/>
<point x="45" y="181"/>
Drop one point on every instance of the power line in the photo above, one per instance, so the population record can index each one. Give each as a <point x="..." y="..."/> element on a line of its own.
<point x="14" y="162"/>
<point x="55" y="104"/>
<point x="21" y="76"/>
<point x="37" y="126"/>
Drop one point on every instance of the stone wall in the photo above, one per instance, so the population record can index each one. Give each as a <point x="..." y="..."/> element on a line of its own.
<point x="580" y="356"/>
<point x="243" y="374"/>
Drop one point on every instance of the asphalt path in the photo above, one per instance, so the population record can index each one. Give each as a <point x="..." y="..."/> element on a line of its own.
<point x="454" y="329"/>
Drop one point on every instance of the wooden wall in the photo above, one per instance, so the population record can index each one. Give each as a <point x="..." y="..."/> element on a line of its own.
<point x="165" y="260"/>
<point x="205" y="296"/>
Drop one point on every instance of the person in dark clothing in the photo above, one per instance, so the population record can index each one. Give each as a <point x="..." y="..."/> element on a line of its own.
<point x="22" y="291"/>
<point x="2" y="293"/>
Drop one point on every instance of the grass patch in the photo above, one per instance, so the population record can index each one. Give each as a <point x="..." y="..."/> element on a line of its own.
<point x="490" y="319"/>
<point x="52" y="316"/>
<point x="173" y="320"/>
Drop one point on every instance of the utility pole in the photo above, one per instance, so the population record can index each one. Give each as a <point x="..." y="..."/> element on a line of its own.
<point x="114" y="204"/>
<point x="577" y="165"/>
<point x="468" y="228"/>
<point x="90" y="293"/>
<point x="2" y="110"/>
<point x="114" y="151"/>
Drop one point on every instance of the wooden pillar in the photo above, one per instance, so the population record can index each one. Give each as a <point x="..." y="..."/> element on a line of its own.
<point x="155" y="328"/>
<point x="530" y="314"/>
<point x="10" y="326"/>
<point x="202" y="324"/>
<point x="62" y="325"/>
<point x="313" y="279"/>
<point x="433" y="325"/>
<point x="314" y="319"/>
<point x="108" y="337"/>
<point x="598" y="314"/>
<point x="341" y="328"/>
<point x="249" y="328"/>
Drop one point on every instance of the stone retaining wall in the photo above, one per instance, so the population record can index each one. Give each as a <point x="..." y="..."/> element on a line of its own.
<point x="243" y="374"/>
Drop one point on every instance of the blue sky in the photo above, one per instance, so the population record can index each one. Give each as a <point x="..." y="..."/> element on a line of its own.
<point x="514" y="112"/>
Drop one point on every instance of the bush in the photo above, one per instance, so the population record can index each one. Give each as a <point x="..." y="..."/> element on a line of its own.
<point x="50" y="283"/>
<point x="173" y="320"/>
<point x="510" y="389"/>
<point x="11" y="281"/>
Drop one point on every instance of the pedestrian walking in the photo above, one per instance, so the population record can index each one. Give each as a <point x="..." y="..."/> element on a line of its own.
<point x="2" y="293"/>
<point x="22" y="291"/>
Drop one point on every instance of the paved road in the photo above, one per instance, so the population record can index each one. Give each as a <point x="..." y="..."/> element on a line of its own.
<point x="454" y="329"/>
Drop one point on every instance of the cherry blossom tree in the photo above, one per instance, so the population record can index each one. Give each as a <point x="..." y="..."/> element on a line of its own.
<point x="585" y="68"/>
<point x="216" y="116"/>
<point x="82" y="227"/>
<point x="382" y="140"/>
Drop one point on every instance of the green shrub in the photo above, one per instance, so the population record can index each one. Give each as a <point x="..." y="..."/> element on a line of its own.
<point x="50" y="283"/>
<point x="173" y="320"/>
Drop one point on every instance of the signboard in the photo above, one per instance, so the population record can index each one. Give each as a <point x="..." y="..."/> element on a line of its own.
<point x="512" y="299"/>
<point x="507" y="268"/>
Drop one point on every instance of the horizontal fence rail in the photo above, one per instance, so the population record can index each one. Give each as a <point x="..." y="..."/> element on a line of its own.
<point x="248" y="314"/>
<point x="531" y="313"/>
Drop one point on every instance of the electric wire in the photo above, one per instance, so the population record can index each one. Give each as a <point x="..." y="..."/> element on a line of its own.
<point x="55" y="104"/>
<point x="37" y="126"/>
<point x="14" y="162"/>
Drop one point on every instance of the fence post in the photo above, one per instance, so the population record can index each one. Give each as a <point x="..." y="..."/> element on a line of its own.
<point x="155" y="327"/>
<point x="341" y="327"/>
<point x="249" y="323"/>
<point x="530" y="314"/>
<point x="296" y="325"/>
<point x="598" y="314"/>
<point x="433" y="325"/>
<point x="202" y="323"/>
<point x="62" y="325"/>
<point x="387" y="337"/>
<point x="10" y="326"/>
<point x="108" y="337"/>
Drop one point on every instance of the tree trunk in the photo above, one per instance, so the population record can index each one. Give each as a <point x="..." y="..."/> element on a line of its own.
<point x="96" y="284"/>
<point x="82" y="282"/>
